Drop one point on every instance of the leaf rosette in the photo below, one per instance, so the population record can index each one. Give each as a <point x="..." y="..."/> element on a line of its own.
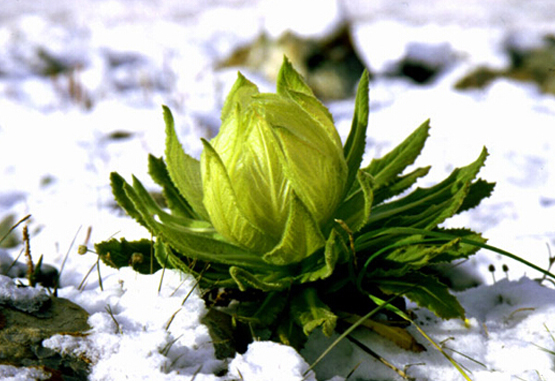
<point x="278" y="204"/>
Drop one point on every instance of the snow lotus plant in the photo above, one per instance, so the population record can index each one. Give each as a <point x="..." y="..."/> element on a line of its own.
<point x="278" y="211"/>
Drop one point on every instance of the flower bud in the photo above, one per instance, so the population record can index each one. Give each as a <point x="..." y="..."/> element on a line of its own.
<point x="275" y="174"/>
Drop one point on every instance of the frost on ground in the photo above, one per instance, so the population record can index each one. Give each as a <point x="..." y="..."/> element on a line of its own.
<point x="61" y="135"/>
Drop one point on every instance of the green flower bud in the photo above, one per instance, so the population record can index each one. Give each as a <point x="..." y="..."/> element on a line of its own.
<point x="276" y="173"/>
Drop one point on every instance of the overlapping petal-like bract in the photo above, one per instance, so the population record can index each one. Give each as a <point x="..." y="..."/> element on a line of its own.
<point x="275" y="174"/>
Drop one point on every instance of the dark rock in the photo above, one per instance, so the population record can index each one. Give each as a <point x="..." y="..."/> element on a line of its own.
<point x="45" y="275"/>
<point x="331" y="65"/>
<point x="22" y="333"/>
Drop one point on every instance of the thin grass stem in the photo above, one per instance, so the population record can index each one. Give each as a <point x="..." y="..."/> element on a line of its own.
<point x="14" y="227"/>
<point x="65" y="259"/>
<point x="348" y="331"/>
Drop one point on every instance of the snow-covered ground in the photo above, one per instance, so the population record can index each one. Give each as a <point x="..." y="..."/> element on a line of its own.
<point x="61" y="137"/>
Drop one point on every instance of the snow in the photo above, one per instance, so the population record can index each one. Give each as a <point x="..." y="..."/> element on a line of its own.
<point x="267" y="361"/>
<point x="132" y="56"/>
<point x="28" y="299"/>
<point x="130" y="310"/>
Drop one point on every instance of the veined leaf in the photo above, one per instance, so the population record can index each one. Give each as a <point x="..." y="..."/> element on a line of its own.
<point x="301" y="237"/>
<point x="183" y="169"/>
<point x="240" y="94"/>
<point x="319" y="266"/>
<point x="387" y="168"/>
<point x="292" y="85"/>
<point x="310" y="312"/>
<point x="398" y="185"/>
<point x="357" y="206"/>
<point x="290" y="80"/>
<point x="159" y="173"/>
<point x="413" y="255"/>
<point x="427" y="207"/>
<point x="246" y="279"/>
<point x="186" y="236"/>
<point x="223" y="205"/>
<point x="479" y="190"/>
<point x="427" y="292"/>
<point x="123" y="253"/>
<point x="310" y="156"/>
<point x="356" y="141"/>
<point x="117" y="182"/>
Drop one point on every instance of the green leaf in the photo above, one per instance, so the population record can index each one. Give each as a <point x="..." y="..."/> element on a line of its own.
<point x="414" y="253"/>
<point x="218" y="275"/>
<point x="240" y="94"/>
<point x="289" y="80"/>
<point x="123" y="253"/>
<point x="387" y="168"/>
<point x="398" y="185"/>
<point x="427" y="292"/>
<point x="177" y="204"/>
<point x="357" y="206"/>
<point x="479" y="190"/>
<point x="356" y="141"/>
<point x="310" y="312"/>
<point x="312" y="162"/>
<point x="465" y="249"/>
<point x="222" y="203"/>
<point x="301" y="237"/>
<point x="117" y="182"/>
<point x="183" y="169"/>
<point x="191" y="238"/>
<point x="322" y="263"/>
<point x="144" y="201"/>
<point x="427" y="207"/>
<point x="290" y="84"/>
<point x="319" y="114"/>
<point x="246" y="279"/>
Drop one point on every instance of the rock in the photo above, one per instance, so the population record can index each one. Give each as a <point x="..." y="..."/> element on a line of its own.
<point x="29" y="317"/>
<point x="534" y="65"/>
<point x="46" y="275"/>
<point x="330" y="65"/>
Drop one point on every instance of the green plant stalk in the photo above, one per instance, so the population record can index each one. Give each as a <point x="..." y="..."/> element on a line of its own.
<point x="442" y="235"/>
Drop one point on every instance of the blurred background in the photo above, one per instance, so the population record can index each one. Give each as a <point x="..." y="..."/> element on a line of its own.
<point x="81" y="84"/>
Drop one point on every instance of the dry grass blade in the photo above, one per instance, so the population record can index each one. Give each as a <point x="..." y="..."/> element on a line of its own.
<point x="196" y="283"/>
<point x="110" y="312"/>
<point x="398" y="335"/>
<point x="13" y="263"/>
<point x="445" y="354"/>
<point x="82" y="284"/>
<point x="30" y="264"/>
<point x="379" y="358"/>
<point x="14" y="227"/>
<point x="65" y="259"/>
<point x="348" y="331"/>
<point x="422" y="332"/>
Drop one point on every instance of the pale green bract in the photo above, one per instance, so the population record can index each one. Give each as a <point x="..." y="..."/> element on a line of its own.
<point x="276" y="162"/>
